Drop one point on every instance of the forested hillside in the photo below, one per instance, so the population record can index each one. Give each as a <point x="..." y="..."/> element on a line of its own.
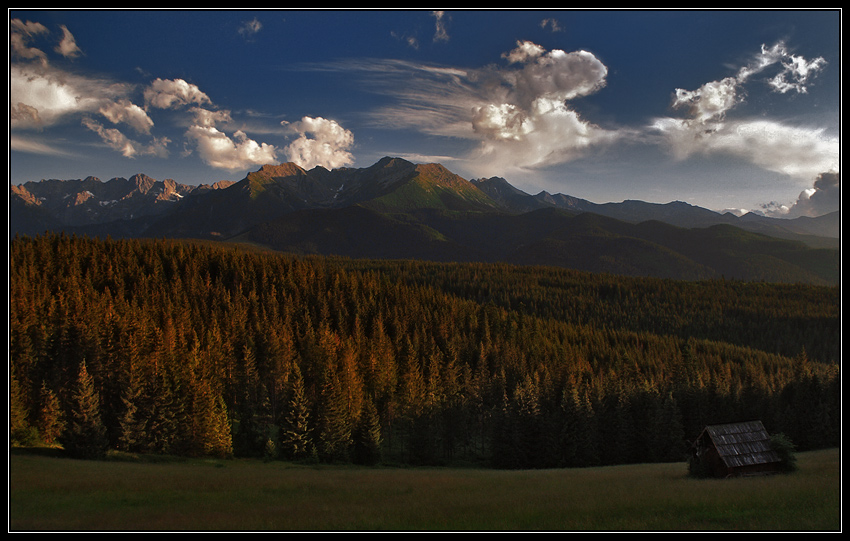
<point x="158" y="346"/>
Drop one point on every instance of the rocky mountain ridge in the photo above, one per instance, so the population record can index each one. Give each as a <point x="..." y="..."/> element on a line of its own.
<point x="398" y="209"/>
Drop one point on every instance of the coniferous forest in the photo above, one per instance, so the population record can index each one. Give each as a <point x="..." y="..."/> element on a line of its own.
<point x="193" y="349"/>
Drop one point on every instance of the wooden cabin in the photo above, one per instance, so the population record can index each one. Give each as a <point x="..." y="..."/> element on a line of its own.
<point x="736" y="449"/>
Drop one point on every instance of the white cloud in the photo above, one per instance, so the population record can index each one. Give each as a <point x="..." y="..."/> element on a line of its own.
<point x="207" y="118"/>
<point x="123" y="111"/>
<point x="796" y="151"/>
<point x="221" y="151"/>
<point x="42" y="96"/>
<point x="321" y="142"/>
<point x="526" y="122"/>
<point x="714" y="99"/>
<point x="441" y="32"/>
<point x="554" y="75"/>
<point x="796" y="72"/>
<point x="169" y="94"/>
<point x="20" y="35"/>
<point x="24" y="144"/>
<point x="218" y="150"/>
<point x="250" y="28"/>
<point x="552" y="24"/>
<point x="524" y="51"/>
<point x="711" y="101"/>
<point x="519" y="114"/>
<point x="51" y="95"/>
<point x="68" y="46"/>
<point x="126" y="146"/>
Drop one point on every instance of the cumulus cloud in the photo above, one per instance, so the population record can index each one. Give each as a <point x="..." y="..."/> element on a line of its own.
<point x="173" y="93"/>
<point x="526" y="121"/>
<point x="42" y="96"/>
<point x="320" y="142"/>
<point x="518" y="115"/>
<point x="822" y="198"/>
<point x="714" y="99"/>
<point x="124" y="111"/>
<point x="218" y="150"/>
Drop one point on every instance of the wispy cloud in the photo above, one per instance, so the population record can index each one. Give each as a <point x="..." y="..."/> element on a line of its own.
<point x="441" y="32"/>
<point x="797" y="151"/>
<point x="249" y="29"/>
<point x="68" y="45"/>
<point x="518" y="112"/>
<point x="551" y="24"/>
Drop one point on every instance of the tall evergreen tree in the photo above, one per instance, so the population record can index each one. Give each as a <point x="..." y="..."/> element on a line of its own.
<point x="211" y="423"/>
<point x="85" y="434"/>
<point x="334" y="427"/>
<point x="20" y="430"/>
<point x="295" y="442"/>
<point x="367" y="436"/>
<point x="50" y="421"/>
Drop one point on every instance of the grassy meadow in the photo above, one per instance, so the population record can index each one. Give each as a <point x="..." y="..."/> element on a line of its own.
<point x="58" y="494"/>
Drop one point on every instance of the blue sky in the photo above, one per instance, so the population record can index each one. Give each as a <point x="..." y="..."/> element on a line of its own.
<point x="722" y="109"/>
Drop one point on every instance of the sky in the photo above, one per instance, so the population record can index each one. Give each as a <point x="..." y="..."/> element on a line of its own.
<point x="725" y="109"/>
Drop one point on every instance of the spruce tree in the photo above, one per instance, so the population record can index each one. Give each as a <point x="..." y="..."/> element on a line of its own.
<point x="334" y="435"/>
<point x="85" y="434"/>
<point x="20" y="431"/>
<point x="367" y="437"/>
<point x="50" y="423"/>
<point x="294" y="434"/>
<point x="131" y="422"/>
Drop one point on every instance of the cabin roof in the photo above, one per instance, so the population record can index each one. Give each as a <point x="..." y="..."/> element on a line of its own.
<point x="742" y="444"/>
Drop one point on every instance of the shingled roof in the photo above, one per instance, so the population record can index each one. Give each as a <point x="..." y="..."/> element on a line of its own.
<point x="742" y="444"/>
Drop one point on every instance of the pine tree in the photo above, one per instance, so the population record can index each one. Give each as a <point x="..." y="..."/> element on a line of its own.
<point x="222" y="443"/>
<point x="669" y="445"/>
<point x="579" y="434"/>
<point x="367" y="437"/>
<point x="294" y="435"/>
<point x="85" y="434"/>
<point x="334" y="432"/>
<point x="20" y="431"/>
<point x="50" y="423"/>
<point x="210" y="422"/>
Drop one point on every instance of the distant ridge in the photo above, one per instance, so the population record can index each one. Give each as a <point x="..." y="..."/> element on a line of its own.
<point x="398" y="209"/>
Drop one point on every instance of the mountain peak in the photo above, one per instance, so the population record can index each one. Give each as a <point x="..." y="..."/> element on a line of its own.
<point x="437" y="173"/>
<point x="389" y="161"/>
<point x="142" y="182"/>
<point x="286" y="169"/>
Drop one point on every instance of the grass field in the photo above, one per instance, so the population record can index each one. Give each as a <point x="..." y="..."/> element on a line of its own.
<point x="58" y="494"/>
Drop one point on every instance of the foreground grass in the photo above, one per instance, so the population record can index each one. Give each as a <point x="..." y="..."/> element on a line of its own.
<point x="47" y="493"/>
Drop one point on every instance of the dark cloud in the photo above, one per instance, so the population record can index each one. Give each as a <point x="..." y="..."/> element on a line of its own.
<point x="824" y="197"/>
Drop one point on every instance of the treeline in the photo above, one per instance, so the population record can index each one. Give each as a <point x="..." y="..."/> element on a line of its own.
<point x="203" y="349"/>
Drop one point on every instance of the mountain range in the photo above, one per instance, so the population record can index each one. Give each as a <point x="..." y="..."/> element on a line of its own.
<point x="398" y="209"/>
